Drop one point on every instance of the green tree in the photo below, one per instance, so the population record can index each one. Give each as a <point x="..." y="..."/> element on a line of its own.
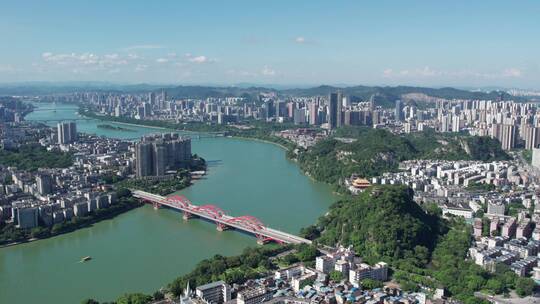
<point x="89" y="301"/>
<point x="306" y="252"/>
<point x="495" y="286"/>
<point x="371" y="284"/>
<point x="336" y="276"/>
<point x="290" y="259"/>
<point x="158" y="295"/>
<point x="525" y="286"/>
<point x="134" y="298"/>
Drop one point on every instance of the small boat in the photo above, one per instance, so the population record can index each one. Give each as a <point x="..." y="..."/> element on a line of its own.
<point x="86" y="259"/>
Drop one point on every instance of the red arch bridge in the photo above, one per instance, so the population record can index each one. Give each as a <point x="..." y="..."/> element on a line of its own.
<point x="246" y="223"/>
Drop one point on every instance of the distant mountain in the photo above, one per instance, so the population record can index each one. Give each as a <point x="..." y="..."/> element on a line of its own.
<point x="384" y="96"/>
<point x="48" y="88"/>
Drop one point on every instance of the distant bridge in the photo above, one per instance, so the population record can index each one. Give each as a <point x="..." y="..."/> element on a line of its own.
<point x="223" y="221"/>
<point x="60" y="120"/>
<point x="50" y="109"/>
<point x="192" y="136"/>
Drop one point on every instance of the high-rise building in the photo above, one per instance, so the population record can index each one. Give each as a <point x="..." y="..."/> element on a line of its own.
<point x="67" y="132"/>
<point x="143" y="159"/>
<point x="351" y="118"/>
<point x="531" y="136"/>
<point x="456" y="123"/>
<point x="156" y="154"/>
<point x="446" y="123"/>
<point x="44" y="183"/>
<point x="313" y="113"/>
<point x="299" y="116"/>
<point x="508" y="139"/>
<point x="399" y="110"/>
<point x="536" y="158"/>
<point x="334" y="110"/>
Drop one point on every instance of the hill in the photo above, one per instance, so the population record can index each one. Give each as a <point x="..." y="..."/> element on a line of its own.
<point x="383" y="223"/>
<point x="376" y="151"/>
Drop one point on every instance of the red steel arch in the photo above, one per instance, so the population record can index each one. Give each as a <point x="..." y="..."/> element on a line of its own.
<point x="211" y="210"/>
<point x="181" y="201"/>
<point x="248" y="220"/>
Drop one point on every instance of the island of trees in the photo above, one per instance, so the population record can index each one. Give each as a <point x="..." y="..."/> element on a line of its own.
<point x="114" y="128"/>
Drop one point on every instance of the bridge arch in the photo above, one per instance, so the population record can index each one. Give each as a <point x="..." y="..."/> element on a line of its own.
<point x="247" y="220"/>
<point x="211" y="210"/>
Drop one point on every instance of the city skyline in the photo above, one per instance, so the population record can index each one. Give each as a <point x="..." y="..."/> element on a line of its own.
<point x="301" y="43"/>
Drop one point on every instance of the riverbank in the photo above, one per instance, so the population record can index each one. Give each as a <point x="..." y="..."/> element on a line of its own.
<point x="231" y="132"/>
<point x="122" y="247"/>
<point x="124" y="204"/>
<point x="127" y="123"/>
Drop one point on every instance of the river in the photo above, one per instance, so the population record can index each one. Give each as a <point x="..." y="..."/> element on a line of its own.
<point x="144" y="249"/>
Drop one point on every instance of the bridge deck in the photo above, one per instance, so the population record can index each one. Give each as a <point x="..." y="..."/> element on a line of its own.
<point x="223" y="219"/>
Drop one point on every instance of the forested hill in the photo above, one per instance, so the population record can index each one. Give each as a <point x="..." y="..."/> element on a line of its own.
<point x="383" y="223"/>
<point x="376" y="151"/>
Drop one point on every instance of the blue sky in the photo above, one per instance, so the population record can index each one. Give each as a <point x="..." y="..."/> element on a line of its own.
<point x="431" y="43"/>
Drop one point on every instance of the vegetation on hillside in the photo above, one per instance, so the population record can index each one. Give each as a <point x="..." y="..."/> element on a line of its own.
<point x="384" y="223"/>
<point x="381" y="224"/>
<point x="32" y="157"/>
<point x="376" y="151"/>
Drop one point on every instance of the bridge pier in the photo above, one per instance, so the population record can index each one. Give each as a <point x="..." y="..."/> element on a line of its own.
<point x="221" y="227"/>
<point x="186" y="216"/>
<point x="261" y="240"/>
<point x="156" y="205"/>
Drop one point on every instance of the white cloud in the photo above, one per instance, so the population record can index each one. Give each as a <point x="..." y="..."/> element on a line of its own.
<point x="133" y="56"/>
<point x="111" y="56"/>
<point x="141" y="67"/>
<point x="80" y="62"/>
<point x="144" y="47"/>
<point x="512" y="72"/>
<point x="304" y="40"/>
<point x="268" y="71"/>
<point x="162" y="60"/>
<point x="199" y="59"/>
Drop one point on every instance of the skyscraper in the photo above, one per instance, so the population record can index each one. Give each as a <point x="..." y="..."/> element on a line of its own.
<point x="399" y="110"/>
<point x="156" y="154"/>
<point x="508" y="137"/>
<point x="531" y="136"/>
<point x="44" y="183"/>
<point x="313" y="114"/>
<point x="334" y="110"/>
<point x="143" y="159"/>
<point x="67" y="132"/>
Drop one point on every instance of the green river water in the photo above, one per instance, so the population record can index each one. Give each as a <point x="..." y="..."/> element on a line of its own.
<point x="144" y="249"/>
